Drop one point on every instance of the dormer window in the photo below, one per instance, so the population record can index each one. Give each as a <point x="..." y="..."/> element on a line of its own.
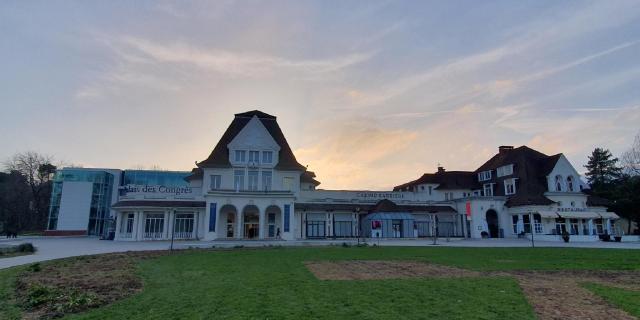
<point x="570" y="183"/>
<point x="484" y="175"/>
<point x="488" y="189"/>
<point x="558" y="183"/>
<point x="504" y="170"/>
<point x="240" y="155"/>
<point x="254" y="156"/>
<point x="267" y="156"/>
<point x="509" y="186"/>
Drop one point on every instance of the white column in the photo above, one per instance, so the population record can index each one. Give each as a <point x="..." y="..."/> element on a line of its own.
<point x="590" y="227"/>
<point x="239" y="220"/>
<point x="195" y="224"/>
<point x="119" y="216"/>
<point x="140" y="224"/>
<point x="608" y="226"/>
<point x="165" y="232"/>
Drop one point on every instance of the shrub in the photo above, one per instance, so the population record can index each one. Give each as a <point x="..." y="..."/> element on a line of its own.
<point x="34" y="267"/>
<point x="26" y="247"/>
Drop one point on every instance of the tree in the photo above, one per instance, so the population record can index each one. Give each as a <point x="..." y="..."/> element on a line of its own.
<point x="631" y="158"/>
<point x="37" y="172"/>
<point x="602" y="169"/>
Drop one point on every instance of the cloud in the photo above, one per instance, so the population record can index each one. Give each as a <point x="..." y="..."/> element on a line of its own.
<point x="237" y="63"/>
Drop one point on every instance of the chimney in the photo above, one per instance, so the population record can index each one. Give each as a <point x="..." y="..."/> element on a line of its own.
<point x="503" y="149"/>
<point x="440" y="169"/>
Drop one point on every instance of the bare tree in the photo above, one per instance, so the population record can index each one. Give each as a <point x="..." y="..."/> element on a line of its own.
<point x="631" y="158"/>
<point x="38" y="172"/>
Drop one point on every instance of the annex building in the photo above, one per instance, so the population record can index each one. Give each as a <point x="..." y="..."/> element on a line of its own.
<point x="252" y="187"/>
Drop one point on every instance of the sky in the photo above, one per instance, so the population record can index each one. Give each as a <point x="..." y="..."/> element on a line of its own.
<point x="370" y="94"/>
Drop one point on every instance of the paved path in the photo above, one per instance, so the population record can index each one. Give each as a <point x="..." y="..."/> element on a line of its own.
<point x="56" y="248"/>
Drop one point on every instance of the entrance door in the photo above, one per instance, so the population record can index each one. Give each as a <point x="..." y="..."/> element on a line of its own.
<point x="251" y="225"/>
<point x="231" y="221"/>
<point x="396" y="225"/>
<point x="492" y="223"/>
<point x="272" y="225"/>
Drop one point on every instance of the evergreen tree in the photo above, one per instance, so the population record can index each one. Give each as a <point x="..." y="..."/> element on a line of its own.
<point x="602" y="169"/>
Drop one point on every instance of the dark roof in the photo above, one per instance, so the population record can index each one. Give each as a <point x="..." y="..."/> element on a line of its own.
<point x="308" y="176"/>
<point x="530" y="168"/>
<point x="447" y="180"/>
<point x="219" y="157"/>
<point x="159" y="204"/>
<point x="594" y="200"/>
<point x="196" y="174"/>
<point x="382" y="206"/>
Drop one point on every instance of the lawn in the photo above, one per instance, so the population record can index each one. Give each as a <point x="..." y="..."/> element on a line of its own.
<point x="274" y="284"/>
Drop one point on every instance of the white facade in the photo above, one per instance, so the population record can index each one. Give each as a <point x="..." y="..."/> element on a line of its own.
<point x="251" y="187"/>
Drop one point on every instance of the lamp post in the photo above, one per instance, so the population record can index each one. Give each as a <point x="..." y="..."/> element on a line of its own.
<point x="533" y="230"/>
<point x="173" y="230"/>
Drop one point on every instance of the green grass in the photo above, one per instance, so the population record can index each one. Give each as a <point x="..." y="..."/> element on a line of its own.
<point x="8" y="309"/>
<point x="626" y="300"/>
<point x="274" y="284"/>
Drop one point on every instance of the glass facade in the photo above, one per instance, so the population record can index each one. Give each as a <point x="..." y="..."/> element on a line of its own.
<point x="155" y="178"/>
<point x="100" y="197"/>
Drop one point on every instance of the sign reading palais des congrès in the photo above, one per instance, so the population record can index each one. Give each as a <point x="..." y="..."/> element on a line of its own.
<point x="175" y="190"/>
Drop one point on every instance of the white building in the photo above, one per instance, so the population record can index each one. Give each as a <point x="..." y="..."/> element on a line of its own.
<point x="252" y="187"/>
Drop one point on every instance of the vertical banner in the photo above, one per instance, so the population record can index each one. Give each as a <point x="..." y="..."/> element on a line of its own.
<point x="287" y="209"/>
<point x="212" y="217"/>
<point x="468" y="209"/>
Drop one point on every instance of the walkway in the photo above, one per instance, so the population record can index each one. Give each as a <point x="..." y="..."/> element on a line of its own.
<point x="56" y="248"/>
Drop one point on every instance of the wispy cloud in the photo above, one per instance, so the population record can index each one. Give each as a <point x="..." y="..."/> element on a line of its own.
<point x="237" y="63"/>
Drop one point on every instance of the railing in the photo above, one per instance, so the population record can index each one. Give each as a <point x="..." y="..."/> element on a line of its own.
<point x="183" y="235"/>
<point x="127" y="235"/>
<point x="538" y="228"/>
<point x="153" y="235"/>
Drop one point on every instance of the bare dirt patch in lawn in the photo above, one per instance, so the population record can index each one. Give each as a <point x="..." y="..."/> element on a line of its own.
<point x="552" y="294"/>
<point x="53" y="289"/>
<point x="371" y="269"/>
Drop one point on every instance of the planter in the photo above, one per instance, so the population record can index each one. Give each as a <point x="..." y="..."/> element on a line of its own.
<point x="618" y="238"/>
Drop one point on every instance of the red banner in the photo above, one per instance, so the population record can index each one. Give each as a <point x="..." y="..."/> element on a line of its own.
<point x="468" y="209"/>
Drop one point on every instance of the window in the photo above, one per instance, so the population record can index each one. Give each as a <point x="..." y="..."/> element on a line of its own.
<point x="253" y="180"/>
<point x="504" y="171"/>
<point x="488" y="189"/>
<point x="267" y="156"/>
<point x="216" y="180"/>
<point x="560" y="225"/>
<point x="254" y="156"/>
<point x="599" y="226"/>
<point x="154" y="226"/>
<point x="509" y="186"/>
<point x="558" y="183"/>
<point x="526" y="223"/>
<point x="266" y="180"/>
<point x="570" y="183"/>
<point x="240" y="155"/>
<point x="537" y="223"/>
<point x="514" y="223"/>
<point x="484" y="175"/>
<point x="574" y="226"/>
<point x="422" y="188"/>
<point x="238" y="180"/>
<point x="287" y="183"/>
<point x="430" y="189"/>
<point x="446" y="196"/>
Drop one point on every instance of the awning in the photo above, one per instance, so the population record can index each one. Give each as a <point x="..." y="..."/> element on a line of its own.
<point x="608" y="215"/>
<point x="579" y="215"/>
<point x="548" y="214"/>
<point x="389" y="216"/>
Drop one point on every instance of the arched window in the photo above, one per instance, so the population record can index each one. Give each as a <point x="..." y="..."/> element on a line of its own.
<point x="570" y="183"/>
<point x="558" y="183"/>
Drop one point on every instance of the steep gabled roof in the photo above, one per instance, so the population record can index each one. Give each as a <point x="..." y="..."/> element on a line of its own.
<point x="219" y="157"/>
<point x="447" y="180"/>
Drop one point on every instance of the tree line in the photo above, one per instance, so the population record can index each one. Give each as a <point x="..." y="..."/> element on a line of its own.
<point x="25" y="192"/>
<point x="617" y="180"/>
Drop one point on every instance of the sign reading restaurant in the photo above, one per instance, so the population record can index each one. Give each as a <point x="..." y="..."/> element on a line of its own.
<point x="380" y="195"/>
<point x="130" y="188"/>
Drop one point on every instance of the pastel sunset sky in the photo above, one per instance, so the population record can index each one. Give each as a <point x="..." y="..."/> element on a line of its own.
<point x="369" y="94"/>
